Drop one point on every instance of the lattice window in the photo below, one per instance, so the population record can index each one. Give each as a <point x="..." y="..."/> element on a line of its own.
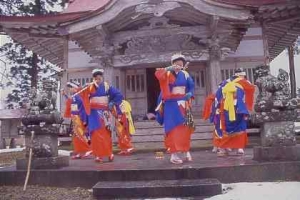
<point x="82" y="81"/>
<point x="227" y="73"/>
<point x="117" y="82"/>
<point x="135" y="83"/>
<point x="199" y="78"/>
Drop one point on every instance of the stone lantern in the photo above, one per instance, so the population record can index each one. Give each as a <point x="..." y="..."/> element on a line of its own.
<point x="42" y="122"/>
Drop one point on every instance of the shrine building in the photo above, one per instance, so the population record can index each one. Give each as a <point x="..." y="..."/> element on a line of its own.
<point x="129" y="39"/>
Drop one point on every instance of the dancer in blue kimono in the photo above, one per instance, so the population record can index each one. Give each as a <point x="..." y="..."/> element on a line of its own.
<point x="174" y="108"/>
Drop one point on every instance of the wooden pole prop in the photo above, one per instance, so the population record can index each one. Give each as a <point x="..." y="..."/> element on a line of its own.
<point x="29" y="162"/>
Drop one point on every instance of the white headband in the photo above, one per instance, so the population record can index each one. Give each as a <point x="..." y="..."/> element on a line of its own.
<point x="240" y="74"/>
<point x="97" y="70"/>
<point x="73" y="85"/>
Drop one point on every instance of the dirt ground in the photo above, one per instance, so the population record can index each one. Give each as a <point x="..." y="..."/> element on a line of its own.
<point x="44" y="193"/>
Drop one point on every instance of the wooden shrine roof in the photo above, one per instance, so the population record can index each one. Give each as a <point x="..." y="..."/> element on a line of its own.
<point x="39" y="33"/>
<point x="92" y="5"/>
<point x="251" y="3"/>
<point x="282" y="25"/>
<point x="44" y="35"/>
<point x="85" y="5"/>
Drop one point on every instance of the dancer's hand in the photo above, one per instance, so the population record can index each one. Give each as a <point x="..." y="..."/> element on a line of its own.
<point x="247" y="117"/>
<point x="111" y="105"/>
<point x="170" y="68"/>
<point x="63" y="92"/>
<point x="188" y="96"/>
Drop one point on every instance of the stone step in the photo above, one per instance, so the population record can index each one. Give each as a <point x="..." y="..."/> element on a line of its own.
<point x="195" y="144"/>
<point x="153" y="123"/>
<point x="157" y="188"/>
<point x="157" y="135"/>
<point x="160" y="137"/>
<point x="160" y="130"/>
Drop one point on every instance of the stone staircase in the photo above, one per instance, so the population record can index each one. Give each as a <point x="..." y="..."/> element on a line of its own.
<point x="149" y="134"/>
<point x="157" y="188"/>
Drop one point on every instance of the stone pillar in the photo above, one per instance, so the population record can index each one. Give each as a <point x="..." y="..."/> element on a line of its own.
<point x="215" y="55"/>
<point x="278" y="140"/>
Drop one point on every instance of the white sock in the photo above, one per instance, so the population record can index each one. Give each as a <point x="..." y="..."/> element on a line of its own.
<point x="174" y="156"/>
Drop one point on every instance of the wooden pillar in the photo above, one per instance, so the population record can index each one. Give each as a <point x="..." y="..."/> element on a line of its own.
<point x="265" y="44"/>
<point x="64" y="79"/>
<point x="292" y="71"/>
<point x="108" y="71"/>
<point x="214" y="64"/>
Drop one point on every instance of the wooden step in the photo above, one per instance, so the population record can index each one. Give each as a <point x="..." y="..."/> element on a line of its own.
<point x="157" y="135"/>
<point x="160" y="137"/>
<point x="153" y="123"/>
<point x="157" y="188"/>
<point x="160" y="130"/>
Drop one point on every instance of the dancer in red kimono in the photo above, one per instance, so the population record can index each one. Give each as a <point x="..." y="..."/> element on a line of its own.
<point x="76" y="111"/>
<point x="229" y="112"/>
<point x="174" y="108"/>
<point x="100" y="98"/>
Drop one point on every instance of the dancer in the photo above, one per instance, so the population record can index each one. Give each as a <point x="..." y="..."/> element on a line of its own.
<point x="100" y="98"/>
<point x="230" y="111"/>
<point x="125" y="128"/>
<point x="77" y="112"/>
<point x="174" y="108"/>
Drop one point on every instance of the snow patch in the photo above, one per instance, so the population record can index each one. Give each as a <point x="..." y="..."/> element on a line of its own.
<point x="260" y="191"/>
<point x="64" y="153"/>
<point x="11" y="150"/>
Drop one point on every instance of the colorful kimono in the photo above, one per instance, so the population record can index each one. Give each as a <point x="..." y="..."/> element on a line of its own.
<point x="76" y="111"/>
<point x="173" y="109"/>
<point x="232" y="102"/>
<point x="125" y="127"/>
<point x="98" y="99"/>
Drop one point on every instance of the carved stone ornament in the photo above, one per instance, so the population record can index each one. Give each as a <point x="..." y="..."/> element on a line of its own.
<point x="274" y="92"/>
<point x="216" y="51"/>
<point x="156" y="44"/>
<point x="159" y="22"/>
<point x="157" y="9"/>
<point x="192" y="55"/>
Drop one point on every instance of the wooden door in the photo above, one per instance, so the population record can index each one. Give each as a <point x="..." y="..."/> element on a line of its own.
<point x="199" y="76"/>
<point x="136" y="87"/>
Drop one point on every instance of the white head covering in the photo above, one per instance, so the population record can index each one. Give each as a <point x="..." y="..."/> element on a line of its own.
<point x="239" y="72"/>
<point x="98" y="71"/>
<point x="73" y="84"/>
<point x="177" y="56"/>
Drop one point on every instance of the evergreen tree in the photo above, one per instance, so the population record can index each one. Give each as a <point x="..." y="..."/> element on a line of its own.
<point x="297" y="46"/>
<point x="27" y="68"/>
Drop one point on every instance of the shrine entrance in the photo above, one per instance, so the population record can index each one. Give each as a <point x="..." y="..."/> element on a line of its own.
<point x="153" y="89"/>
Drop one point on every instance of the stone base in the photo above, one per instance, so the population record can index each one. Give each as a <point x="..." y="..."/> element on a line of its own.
<point x="276" y="116"/>
<point x="278" y="153"/>
<point x="280" y="133"/>
<point x="44" y="163"/>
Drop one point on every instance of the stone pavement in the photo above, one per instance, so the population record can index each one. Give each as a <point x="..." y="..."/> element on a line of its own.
<point x="144" y="161"/>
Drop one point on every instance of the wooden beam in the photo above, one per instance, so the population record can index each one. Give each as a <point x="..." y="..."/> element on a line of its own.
<point x="283" y="19"/>
<point x="292" y="71"/>
<point x="131" y="60"/>
<point x="117" y="7"/>
<point x="221" y="11"/>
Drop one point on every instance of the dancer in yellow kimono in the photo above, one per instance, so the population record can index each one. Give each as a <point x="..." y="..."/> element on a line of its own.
<point x="125" y="128"/>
